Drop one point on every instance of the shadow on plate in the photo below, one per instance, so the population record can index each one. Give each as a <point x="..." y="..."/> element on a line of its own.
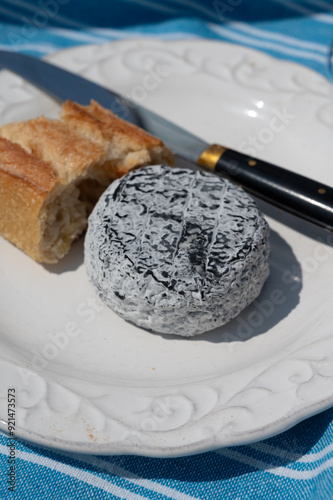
<point x="71" y="261"/>
<point x="280" y="294"/>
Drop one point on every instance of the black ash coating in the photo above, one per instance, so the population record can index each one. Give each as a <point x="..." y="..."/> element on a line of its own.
<point x="176" y="251"/>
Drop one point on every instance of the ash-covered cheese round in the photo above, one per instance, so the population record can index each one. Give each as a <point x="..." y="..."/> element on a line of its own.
<point x="176" y="251"/>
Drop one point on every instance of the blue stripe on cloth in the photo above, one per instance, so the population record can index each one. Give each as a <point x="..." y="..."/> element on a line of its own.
<point x="320" y="62"/>
<point x="129" y="12"/>
<point x="299" y="461"/>
<point x="289" y="39"/>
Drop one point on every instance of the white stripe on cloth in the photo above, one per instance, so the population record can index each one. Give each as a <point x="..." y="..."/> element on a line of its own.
<point x="39" y="10"/>
<point x="11" y="13"/>
<point x="325" y="18"/>
<point x="288" y="40"/>
<point x="129" y="476"/>
<point x="320" y="3"/>
<point x="69" y="470"/>
<point x="102" y="35"/>
<point x="45" y="48"/>
<point x="253" y="462"/>
<point x="279" y="452"/>
<point x="79" y="36"/>
<point x="123" y="34"/>
<point x="102" y="465"/>
<point x="266" y="45"/>
<point x="274" y="451"/>
<point x="314" y="457"/>
<point x="273" y="469"/>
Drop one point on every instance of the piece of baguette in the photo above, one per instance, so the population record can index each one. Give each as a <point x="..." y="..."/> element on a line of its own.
<point x="126" y="146"/>
<point x="39" y="214"/>
<point x="52" y="173"/>
<point x="53" y="141"/>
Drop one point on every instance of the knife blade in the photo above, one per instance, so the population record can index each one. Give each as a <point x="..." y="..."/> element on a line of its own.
<point x="297" y="194"/>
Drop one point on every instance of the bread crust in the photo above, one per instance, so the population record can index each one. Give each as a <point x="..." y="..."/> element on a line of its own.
<point x="126" y="145"/>
<point x="100" y="124"/>
<point x="53" y="171"/>
<point x="55" y="142"/>
<point x="26" y="184"/>
<point x="15" y="161"/>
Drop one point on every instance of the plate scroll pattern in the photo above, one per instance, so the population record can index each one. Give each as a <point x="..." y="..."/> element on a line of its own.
<point x="206" y="415"/>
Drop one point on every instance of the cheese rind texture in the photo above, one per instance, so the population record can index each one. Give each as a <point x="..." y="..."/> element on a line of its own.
<point x="176" y="251"/>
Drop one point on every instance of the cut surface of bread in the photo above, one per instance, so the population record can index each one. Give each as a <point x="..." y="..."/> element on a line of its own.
<point x="38" y="213"/>
<point x="52" y="173"/>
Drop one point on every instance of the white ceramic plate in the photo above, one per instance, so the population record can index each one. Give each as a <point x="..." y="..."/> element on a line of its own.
<point x="85" y="379"/>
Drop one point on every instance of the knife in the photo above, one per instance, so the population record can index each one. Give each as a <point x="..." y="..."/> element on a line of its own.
<point x="306" y="198"/>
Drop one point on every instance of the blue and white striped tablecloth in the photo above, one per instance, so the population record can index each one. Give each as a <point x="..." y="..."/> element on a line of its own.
<point x="295" y="464"/>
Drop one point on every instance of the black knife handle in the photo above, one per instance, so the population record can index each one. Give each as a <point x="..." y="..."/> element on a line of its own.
<point x="295" y="193"/>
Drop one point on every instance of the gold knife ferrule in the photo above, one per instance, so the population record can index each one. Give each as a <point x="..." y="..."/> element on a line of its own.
<point x="211" y="156"/>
